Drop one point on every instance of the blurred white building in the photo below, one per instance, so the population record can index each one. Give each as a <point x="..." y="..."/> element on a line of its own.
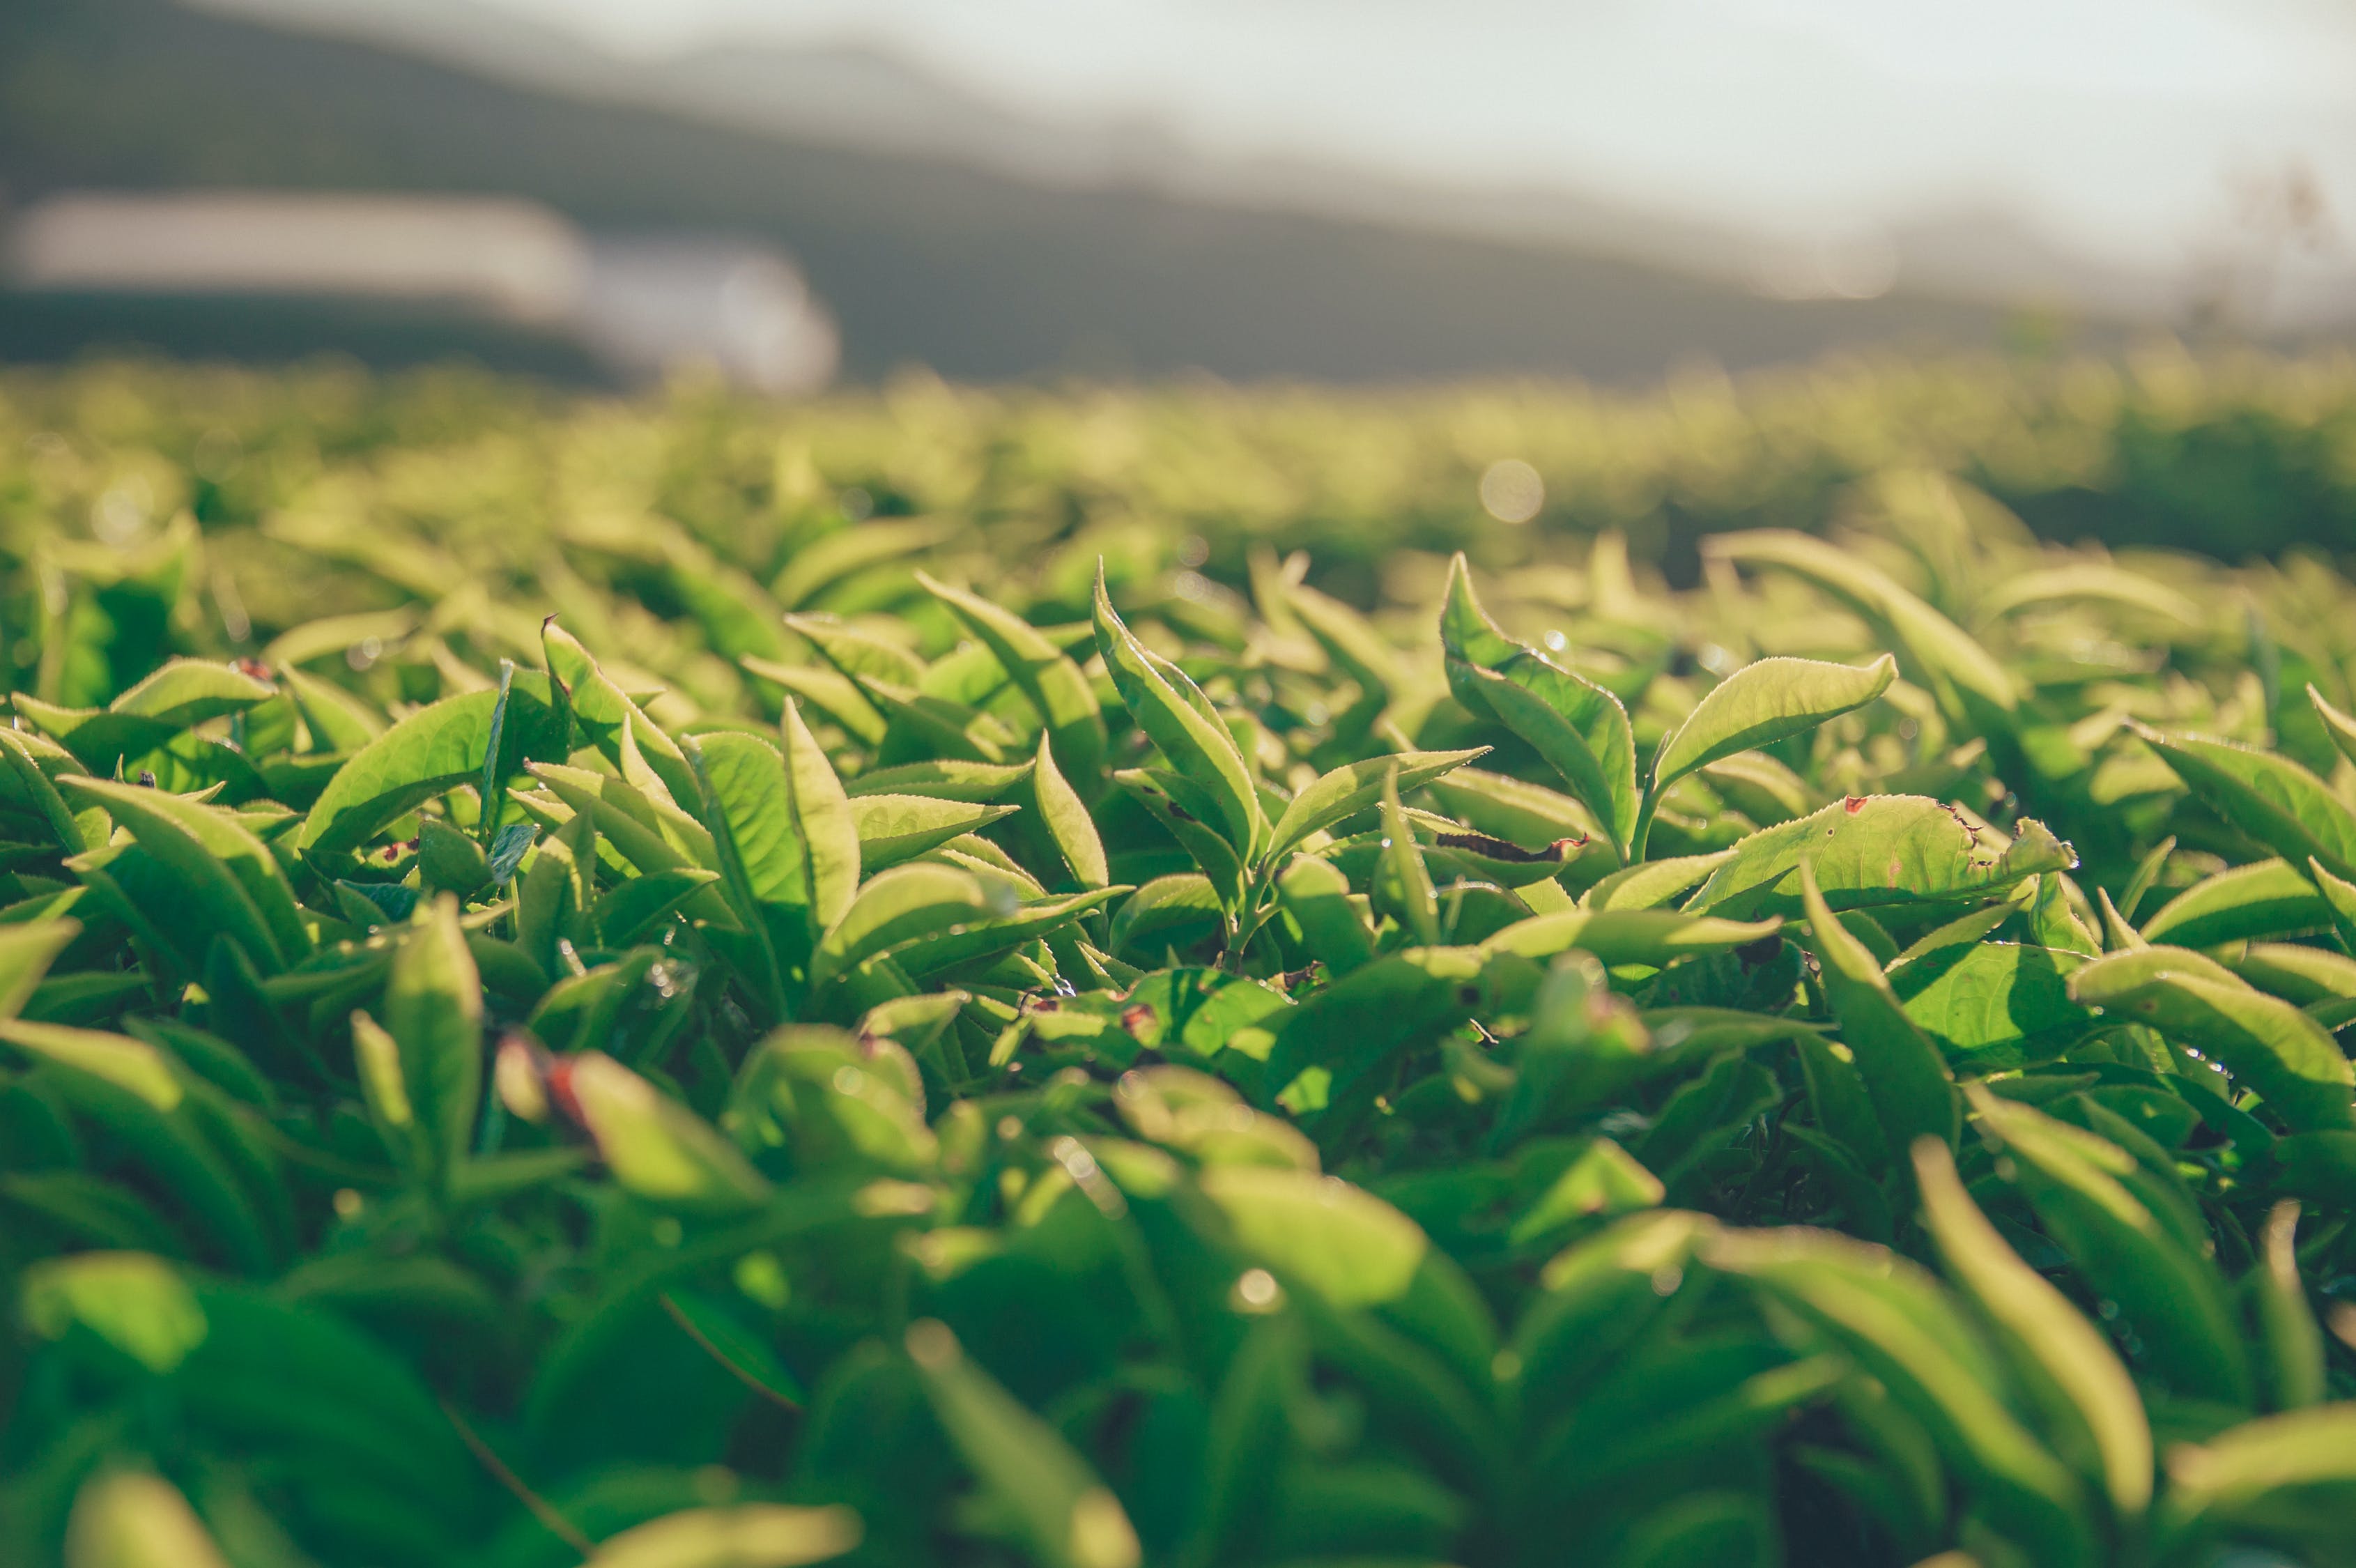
<point x="642" y="306"/>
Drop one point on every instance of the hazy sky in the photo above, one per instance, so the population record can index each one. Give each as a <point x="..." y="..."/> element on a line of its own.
<point x="2123" y="128"/>
<point x="2119" y="118"/>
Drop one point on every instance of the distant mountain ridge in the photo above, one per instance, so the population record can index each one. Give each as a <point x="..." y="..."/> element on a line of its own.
<point x="922" y="260"/>
<point x="860" y="95"/>
<point x="857" y="95"/>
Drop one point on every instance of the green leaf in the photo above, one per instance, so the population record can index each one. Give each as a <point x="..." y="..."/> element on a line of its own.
<point x="1761" y="703"/>
<point x="2341" y="895"/>
<point x="1843" y="1112"/>
<point x="1655" y="1427"/>
<point x="494" y="783"/>
<point x="2269" y="1045"/>
<point x="1163" y="903"/>
<point x="1353" y="786"/>
<point x="557" y="892"/>
<point x="338" y="720"/>
<point x="652" y="834"/>
<point x="1596" y="1297"/>
<point x="1172" y="710"/>
<point x="853" y="650"/>
<point x="32" y="784"/>
<point x="494" y="1178"/>
<point x="2290" y="1477"/>
<point x="736" y="1535"/>
<point x="428" y="753"/>
<point x="189" y="691"/>
<point x="234" y="884"/>
<point x="384" y="1089"/>
<point x="1361" y="1022"/>
<point x="507" y="850"/>
<point x="836" y="695"/>
<point x="1468" y="634"/>
<point x="338" y="634"/>
<point x="1403" y="883"/>
<point x="2173" y="1300"/>
<point x="1318" y="1234"/>
<point x="658" y="1149"/>
<point x="1193" y="1111"/>
<point x="598" y="1004"/>
<point x="1316" y="898"/>
<point x="837" y="555"/>
<point x="2082" y="580"/>
<point x="235" y="1002"/>
<point x="1519" y="812"/>
<point x="1653" y="882"/>
<point x="26" y="950"/>
<point x="2077" y="1379"/>
<point x="434" y="1010"/>
<point x="2117" y="935"/>
<point x="1914" y="1093"/>
<point x="1761" y="787"/>
<point x="2340" y="726"/>
<point x="1892" y="1318"/>
<point x="135" y="1302"/>
<point x="605" y="713"/>
<point x="1582" y="1050"/>
<point x="822" y="816"/>
<point x="1964" y="931"/>
<point x="2267" y="796"/>
<point x="1348" y="639"/>
<point x="817" y="1092"/>
<point x="625" y="915"/>
<point x="1605" y="1180"/>
<point x="733" y="613"/>
<point x="1058" y="692"/>
<point x="788" y="845"/>
<point x="1656" y="937"/>
<point x="1706" y="1112"/>
<point x="142" y="1099"/>
<point x="1940" y="655"/>
<point x="2052" y="917"/>
<point x="1191" y="815"/>
<point x="974" y="940"/>
<point x="1577" y="726"/>
<point x="1066" y="1515"/>
<point x="1973" y="996"/>
<point x="1067" y="820"/>
<point x="182" y="694"/>
<point x="2264" y="899"/>
<point x="1869" y="851"/>
<point x="894" y="828"/>
<point x="943" y="779"/>
<point x="2301" y="975"/>
<point x="1248" y="1437"/>
<point x="448" y="861"/>
<point x="1710" y="1528"/>
<point x="898" y="906"/>
<point x="1690" y="1033"/>
<point x="135" y="1519"/>
<point x="2289" y="1335"/>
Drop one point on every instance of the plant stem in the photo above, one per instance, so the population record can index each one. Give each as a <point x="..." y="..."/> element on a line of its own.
<point x="1635" y="850"/>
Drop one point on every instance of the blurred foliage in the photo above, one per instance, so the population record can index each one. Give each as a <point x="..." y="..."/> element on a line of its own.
<point x="1007" y="977"/>
<point x="2238" y="456"/>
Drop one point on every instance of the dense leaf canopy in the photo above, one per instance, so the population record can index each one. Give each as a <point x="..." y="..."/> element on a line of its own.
<point x="567" y="994"/>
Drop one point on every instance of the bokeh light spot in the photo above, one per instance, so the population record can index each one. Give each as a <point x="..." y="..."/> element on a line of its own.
<point x="1511" y="490"/>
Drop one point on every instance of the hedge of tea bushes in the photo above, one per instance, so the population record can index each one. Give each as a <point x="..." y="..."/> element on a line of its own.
<point x="2239" y="456"/>
<point x="894" y="981"/>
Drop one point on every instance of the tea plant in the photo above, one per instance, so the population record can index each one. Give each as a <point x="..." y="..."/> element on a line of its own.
<point x="695" y="1049"/>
